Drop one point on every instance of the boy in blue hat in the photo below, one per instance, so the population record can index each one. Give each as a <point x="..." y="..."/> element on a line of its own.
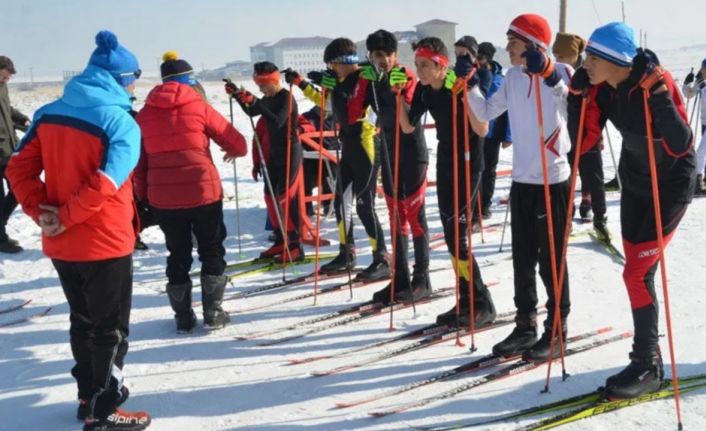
<point x="71" y="174"/>
<point x="615" y="76"/>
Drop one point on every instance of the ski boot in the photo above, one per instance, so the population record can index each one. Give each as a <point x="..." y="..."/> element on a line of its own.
<point x="599" y="226"/>
<point x="539" y="352"/>
<point x="180" y="300"/>
<point x="344" y="261"/>
<point x="84" y="405"/>
<point x="483" y="308"/>
<point x="585" y="208"/>
<point x="520" y="339"/>
<point x="642" y="375"/>
<point x="119" y="420"/>
<point x="379" y="269"/>
<point x="212" y="289"/>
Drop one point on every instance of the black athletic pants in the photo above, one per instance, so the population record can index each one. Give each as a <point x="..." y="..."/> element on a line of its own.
<point x="8" y="203"/>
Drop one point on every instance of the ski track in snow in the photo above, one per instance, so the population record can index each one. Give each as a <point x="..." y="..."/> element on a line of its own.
<point x="207" y="381"/>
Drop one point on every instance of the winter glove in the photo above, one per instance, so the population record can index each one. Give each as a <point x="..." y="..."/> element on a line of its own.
<point x="450" y="79"/>
<point x="580" y="82"/>
<point x="464" y="65"/>
<point x="326" y="79"/>
<point x="539" y="63"/>
<point x="646" y="71"/>
<point x="689" y="78"/>
<point x="245" y="97"/>
<point x="292" y="77"/>
<point x="231" y="88"/>
<point x="369" y="71"/>
<point x="398" y="77"/>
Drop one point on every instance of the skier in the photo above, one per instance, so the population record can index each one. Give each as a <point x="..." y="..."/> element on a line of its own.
<point x="359" y="162"/>
<point x="695" y="85"/>
<point x="615" y="75"/>
<point x="437" y="86"/>
<point x="71" y="174"/>
<point x="10" y="119"/>
<point x="278" y="118"/>
<point x="412" y="171"/>
<point x="178" y="179"/>
<point x="529" y="37"/>
<point x="499" y="134"/>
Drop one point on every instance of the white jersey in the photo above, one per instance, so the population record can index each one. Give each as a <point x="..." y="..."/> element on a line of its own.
<point x="691" y="91"/>
<point x="516" y="95"/>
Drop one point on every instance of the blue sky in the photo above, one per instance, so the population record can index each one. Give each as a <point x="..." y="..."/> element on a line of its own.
<point x="52" y="35"/>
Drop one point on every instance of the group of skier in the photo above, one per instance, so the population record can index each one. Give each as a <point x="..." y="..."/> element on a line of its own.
<point x="554" y="109"/>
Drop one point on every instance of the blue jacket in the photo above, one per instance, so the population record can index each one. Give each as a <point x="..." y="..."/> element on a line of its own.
<point x="497" y="73"/>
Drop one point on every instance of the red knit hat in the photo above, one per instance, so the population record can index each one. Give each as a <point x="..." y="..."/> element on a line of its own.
<point x="532" y="28"/>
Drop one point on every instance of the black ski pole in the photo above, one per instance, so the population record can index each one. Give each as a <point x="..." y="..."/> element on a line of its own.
<point x="235" y="180"/>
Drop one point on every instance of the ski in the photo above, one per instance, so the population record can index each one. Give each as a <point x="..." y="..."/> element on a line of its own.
<point x="27" y="318"/>
<point x="374" y="310"/>
<point x="486" y="361"/>
<point x="507" y="371"/>
<point x="614" y="253"/>
<point x="429" y="330"/>
<point x="445" y="334"/>
<point x="15" y="307"/>
<point x="562" y="404"/>
<point x="245" y="264"/>
<point x="605" y="406"/>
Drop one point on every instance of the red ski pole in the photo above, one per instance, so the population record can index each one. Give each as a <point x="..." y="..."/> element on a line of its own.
<point x="469" y="211"/>
<point x="456" y="260"/>
<point x="660" y="245"/>
<point x="550" y="219"/>
<point x="319" y="188"/>
<point x="567" y="230"/>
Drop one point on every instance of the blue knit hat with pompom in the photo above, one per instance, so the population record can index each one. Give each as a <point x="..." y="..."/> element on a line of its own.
<point x="115" y="58"/>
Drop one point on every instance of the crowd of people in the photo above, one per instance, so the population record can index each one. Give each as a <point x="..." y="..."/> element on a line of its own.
<point x="87" y="159"/>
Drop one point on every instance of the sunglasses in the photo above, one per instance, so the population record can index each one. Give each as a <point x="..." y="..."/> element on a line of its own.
<point x="136" y="74"/>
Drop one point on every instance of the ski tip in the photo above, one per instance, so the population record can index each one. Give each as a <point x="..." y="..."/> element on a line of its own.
<point x="343" y="405"/>
<point x="320" y="373"/>
<point x="379" y="414"/>
<point x="306" y="360"/>
<point x="604" y="329"/>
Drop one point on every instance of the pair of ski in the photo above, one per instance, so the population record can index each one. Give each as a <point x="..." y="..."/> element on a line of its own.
<point x="344" y="316"/>
<point x="15" y="307"/>
<point x="477" y="364"/>
<point x="23" y="319"/>
<point x="578" y="407"/>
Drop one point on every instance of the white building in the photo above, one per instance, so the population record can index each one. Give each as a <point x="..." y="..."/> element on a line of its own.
<point x="303" y="54"/>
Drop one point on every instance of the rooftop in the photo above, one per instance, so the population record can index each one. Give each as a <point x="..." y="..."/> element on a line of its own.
<point x="435" y="22"/>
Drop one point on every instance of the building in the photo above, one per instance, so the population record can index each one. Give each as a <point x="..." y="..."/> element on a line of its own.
<point x="444" y="30"/>
<point x="303" y="54"/>
<point x="233" y="70"/>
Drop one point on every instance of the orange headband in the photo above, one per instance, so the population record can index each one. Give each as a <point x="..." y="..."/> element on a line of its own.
<point x="267" y="78"/>
<point x="436" y="57"/>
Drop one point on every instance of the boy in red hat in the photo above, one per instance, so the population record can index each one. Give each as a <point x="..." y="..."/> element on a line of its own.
<point x="528" y="40"/>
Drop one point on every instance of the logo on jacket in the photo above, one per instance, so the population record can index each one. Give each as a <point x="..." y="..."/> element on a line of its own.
<point x="550" y="142"/>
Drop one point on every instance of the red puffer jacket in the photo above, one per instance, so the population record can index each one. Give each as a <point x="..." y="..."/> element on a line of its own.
<point x="176" y="169"/>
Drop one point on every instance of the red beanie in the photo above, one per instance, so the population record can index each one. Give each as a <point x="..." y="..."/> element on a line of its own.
<point x="532" y="28"/>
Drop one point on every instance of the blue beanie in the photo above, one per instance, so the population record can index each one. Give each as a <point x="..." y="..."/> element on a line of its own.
<point x="115" y="58"/>
<point x="614" y="42"/>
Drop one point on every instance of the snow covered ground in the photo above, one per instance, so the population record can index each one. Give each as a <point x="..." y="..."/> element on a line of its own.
<point x="208" y="381"/>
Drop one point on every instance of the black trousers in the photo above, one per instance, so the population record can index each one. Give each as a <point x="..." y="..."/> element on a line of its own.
<point x="99" y="294"/>
<point x="530" y="245"/>
<point x="491" y="153"/>
<point x="592" y="180"/>
<point x="206" y="222"/>
<point x="445" y="200"/>
<point x="8" y="203"/>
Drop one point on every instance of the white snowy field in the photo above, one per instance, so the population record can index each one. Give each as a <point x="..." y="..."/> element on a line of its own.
<point x="209" y="381"/>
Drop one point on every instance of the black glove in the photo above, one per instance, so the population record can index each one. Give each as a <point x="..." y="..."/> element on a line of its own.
<point x="689" y="78"/>
<point x="292" y="76"/>
<point x="580" y="82"/>
<point x="642" y="63"/>
<point x="463" y="66"/>
<point x="326" y="78"/>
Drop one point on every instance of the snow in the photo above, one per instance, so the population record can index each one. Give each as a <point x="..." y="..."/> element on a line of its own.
<point x="209" y="381"/>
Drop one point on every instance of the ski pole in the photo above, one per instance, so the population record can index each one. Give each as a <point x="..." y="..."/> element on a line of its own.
<point x="693" y="108"/>
<point x="469" y="211"/>
<point x="319" y="186"/>
<point x="567" y="228"/>
<point x="660" y="245"/>
<point x="479" y="204"/>
<point x="287" y="169"/>
<point x="456" y="221"/>
<point x="268" y="183"/>
<point x="502" y="237"/>
<point x="550" y="225"/>
<point x="395" y="221"/>
<point x="688" y="99"/>
<point x="235" y="181"/>
<point x="612" y="156"/>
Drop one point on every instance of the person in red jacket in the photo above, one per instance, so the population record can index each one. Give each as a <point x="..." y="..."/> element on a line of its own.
<point x="71" y="174"/>
<point x="177" y="177"/>
<point x="278" y="123"/>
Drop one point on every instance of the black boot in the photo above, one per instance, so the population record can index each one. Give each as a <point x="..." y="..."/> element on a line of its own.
<point x="520" y="339"/>
<point x="642" y="375"/>
<point x="483" y="309"/>
<point x="539" y="352"/>
<point x="212" y="289"/>
<point x="180" y="300"/>
<point x="377" y="270"/>
<point x="599" y="226"/>
<point x="612" y="185"/>
<point x="344" y="261"/>
<point x="9" y="245"/>
<point x="585" y="209"/>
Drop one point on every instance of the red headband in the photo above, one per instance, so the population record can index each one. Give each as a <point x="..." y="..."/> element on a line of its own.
<point x="436" y="57"/>
<point x="267" y="78"/>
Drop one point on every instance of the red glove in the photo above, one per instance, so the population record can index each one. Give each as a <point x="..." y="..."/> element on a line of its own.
<point x="245" y="97"/>
<point x="255" y="172"/>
